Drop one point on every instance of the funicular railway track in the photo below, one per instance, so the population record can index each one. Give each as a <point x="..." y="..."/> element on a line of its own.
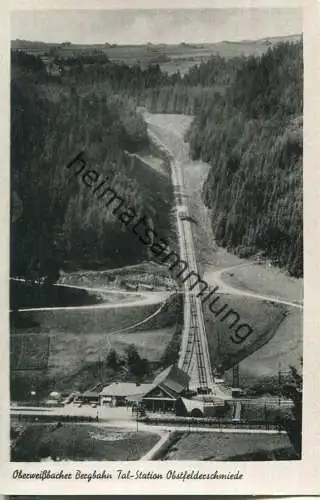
<point x="191" y="339"/>
<point x="194" y="354"/>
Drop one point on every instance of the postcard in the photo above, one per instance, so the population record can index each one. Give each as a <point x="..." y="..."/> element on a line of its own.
<point x="159" y="268"/>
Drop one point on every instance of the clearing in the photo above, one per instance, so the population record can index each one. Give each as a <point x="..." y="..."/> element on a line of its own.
<point x="264" y="280"/>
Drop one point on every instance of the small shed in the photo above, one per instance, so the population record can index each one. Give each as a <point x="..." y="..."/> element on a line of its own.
<point x="89" y="397"/>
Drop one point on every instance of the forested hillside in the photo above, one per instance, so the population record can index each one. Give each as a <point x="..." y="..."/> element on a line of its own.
<point x="53" y="119"/>
<point x="252" y="137"/>
<point x="248" y="126"/>
<point x="196" y="90"/>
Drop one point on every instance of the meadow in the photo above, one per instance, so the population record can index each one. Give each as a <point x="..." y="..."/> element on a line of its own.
<point x="217" y="446"/>
<point x="80" y="442"/>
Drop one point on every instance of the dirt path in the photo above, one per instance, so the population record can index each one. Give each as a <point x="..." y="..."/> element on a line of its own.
<point x="216" y="278"/>
<point x="129" y="299"/>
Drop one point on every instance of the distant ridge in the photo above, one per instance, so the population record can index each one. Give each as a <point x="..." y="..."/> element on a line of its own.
<point x="34" y="44"/>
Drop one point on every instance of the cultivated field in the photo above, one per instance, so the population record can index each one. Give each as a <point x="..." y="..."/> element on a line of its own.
<point x="169" y="57"/>
<point x="235" y="447"/>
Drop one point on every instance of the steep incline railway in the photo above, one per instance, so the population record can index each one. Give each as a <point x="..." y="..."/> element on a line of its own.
<point x="194" y="354"/>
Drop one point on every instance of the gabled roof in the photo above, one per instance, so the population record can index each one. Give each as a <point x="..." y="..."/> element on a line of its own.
<point x="162" y="376"/>
<point x="173" y="374"/>
<point x="123" y="389"/>
<point x="172" y="380"/>
<point x="159" y="392"/>
<point x="174" y="386"/>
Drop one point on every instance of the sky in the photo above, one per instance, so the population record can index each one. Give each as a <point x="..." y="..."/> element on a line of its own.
<point x="156" y="26"/>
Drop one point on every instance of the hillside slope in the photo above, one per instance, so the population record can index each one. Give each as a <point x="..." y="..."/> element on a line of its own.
<point x="60" y="219"/>
<point x="252" y="137"/>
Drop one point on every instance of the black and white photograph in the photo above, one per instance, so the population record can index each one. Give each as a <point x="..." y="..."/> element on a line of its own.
<point x="156" y="237"/>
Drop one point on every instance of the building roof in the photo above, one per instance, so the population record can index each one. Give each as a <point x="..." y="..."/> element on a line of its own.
<point x="90" y="394"/>
<point x="173" y="379"/>
<point x="123" y="389"/>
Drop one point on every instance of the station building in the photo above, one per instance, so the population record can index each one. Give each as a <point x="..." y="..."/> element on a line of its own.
<point x="168" y="387"/>
<point x="159" y="396"/>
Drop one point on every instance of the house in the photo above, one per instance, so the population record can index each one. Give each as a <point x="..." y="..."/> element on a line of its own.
<point x="167" y="388"/>
<point x="160" y="396"/>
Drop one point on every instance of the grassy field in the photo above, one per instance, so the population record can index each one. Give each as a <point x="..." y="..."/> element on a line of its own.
<point x="86" y="321"/>
<point x="30" y="352"/>
<point x="265" y="280"/>
<point x="223" y="446"/>
<point x="69" y="441"/>
<point x="60" y="349"/>
<point x="284" y="349"/>
<point x="150" y="343"/>
<point x="263" y="317"/>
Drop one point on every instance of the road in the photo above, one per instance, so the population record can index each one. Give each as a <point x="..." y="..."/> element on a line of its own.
<point x="217" y="279"/>
<point x="130" y="299"/>
<point x="122" y="418"/>
<point x="137" y="299"/>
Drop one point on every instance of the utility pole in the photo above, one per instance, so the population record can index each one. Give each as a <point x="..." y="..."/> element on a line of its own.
<point x="236" y="376"/>
<point x="279" y="387"/>
<point x="137" y="415"/>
